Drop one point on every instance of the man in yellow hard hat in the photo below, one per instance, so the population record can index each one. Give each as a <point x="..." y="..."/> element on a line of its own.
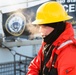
<point x="58" y="51"/>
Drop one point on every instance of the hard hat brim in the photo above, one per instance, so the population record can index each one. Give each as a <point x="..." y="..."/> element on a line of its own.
<point x="43" y="21"/>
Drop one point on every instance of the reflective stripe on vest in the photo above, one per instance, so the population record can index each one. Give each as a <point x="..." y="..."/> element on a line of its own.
<point x="65" y="43"/>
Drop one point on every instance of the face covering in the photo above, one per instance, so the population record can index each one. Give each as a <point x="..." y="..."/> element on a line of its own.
<point x="58" y="29"/>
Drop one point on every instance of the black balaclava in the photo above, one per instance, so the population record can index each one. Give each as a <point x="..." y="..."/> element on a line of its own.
<point x="59" y="27"/>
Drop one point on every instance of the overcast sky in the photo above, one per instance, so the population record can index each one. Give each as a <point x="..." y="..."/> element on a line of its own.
<point x="11" y="5"/>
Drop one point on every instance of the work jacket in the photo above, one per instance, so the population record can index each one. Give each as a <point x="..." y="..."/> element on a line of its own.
<point x="65" y="49"/>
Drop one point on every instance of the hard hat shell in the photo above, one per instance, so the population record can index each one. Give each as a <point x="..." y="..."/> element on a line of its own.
<point x="51" y="12"/>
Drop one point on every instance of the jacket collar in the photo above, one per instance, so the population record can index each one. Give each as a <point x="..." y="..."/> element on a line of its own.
<point x="66" y="35"/>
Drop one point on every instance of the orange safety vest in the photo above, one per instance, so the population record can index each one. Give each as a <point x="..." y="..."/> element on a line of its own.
<point x="65" y="49"/>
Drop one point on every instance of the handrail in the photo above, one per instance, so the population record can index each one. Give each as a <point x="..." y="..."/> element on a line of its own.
<point x="22" y="43"/>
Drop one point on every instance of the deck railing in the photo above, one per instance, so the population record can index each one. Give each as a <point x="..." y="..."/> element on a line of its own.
<point x="18" y="67"/>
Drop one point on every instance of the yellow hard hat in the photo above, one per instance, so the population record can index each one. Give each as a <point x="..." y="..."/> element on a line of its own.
<point x="51" y="12"/>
